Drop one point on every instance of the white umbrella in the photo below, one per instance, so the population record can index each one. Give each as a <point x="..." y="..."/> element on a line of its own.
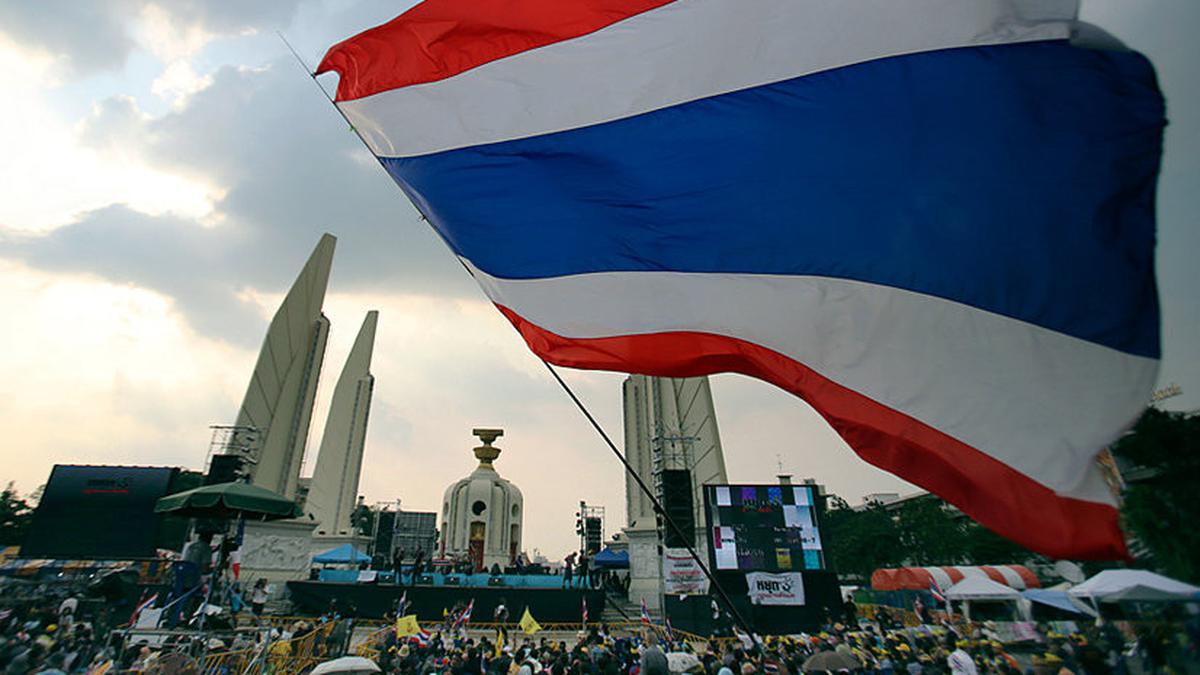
<point x="681" y="662"/>
<point x="345" y="665"/>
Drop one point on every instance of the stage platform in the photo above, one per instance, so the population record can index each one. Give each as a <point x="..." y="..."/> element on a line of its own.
<point x="374" y="600"/>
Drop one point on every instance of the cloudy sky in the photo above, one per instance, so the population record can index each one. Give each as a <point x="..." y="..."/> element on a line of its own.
<point x="166" y="169"/>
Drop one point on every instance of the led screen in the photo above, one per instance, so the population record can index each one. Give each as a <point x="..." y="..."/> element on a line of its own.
<point x="768" y="528"/>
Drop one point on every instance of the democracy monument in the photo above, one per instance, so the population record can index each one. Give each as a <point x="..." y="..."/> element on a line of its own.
<point x="482" y="513"/>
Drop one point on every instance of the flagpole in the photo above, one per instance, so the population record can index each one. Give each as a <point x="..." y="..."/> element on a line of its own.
<point x="658" y="507"/>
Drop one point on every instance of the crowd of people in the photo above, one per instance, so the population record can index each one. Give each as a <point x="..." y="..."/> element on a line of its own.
<point x="866" y="648"/>
<point x="45" y="637"/>
<point x="49" y="633"/>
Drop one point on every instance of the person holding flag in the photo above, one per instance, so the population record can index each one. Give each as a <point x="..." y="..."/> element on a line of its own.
<point x="407" y="627"/>
<point x="500" y="618"/>
<point x="936" y="592"/>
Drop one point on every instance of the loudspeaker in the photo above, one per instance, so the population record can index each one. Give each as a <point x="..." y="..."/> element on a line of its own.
<point x="592" y="534"/>
<point x="224" y="469"/>
<point x="677" y="502"/>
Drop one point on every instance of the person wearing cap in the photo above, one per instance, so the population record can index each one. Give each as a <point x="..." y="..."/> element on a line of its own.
<point x="960" y="662"/>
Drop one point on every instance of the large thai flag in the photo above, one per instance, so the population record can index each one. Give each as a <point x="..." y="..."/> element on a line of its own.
<point x="933" y="220"/>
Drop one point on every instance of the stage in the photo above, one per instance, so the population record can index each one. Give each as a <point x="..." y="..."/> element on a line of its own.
<point x="373" y="600"/>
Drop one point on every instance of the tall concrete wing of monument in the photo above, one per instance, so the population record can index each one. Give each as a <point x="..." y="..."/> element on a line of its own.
<point x="279" y="400"/>
<point x="672" y="441"/>
<point x="333" y="493"/>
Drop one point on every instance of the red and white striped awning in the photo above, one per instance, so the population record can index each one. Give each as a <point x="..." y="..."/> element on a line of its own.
<point x="922" y="578"/>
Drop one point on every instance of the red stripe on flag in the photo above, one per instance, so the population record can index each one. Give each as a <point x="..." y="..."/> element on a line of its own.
<point x="1006" y="501"/>
<point x="438" y="39"/>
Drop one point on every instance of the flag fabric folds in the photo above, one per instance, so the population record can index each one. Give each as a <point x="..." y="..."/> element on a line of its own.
<point x="936" y="592"/>
<point x="528" y="624"/>
<point x="407" y="625"/>
<point x="464" y="617"/>
<point x="645" y="613"/>
<point x="932" y="220"/>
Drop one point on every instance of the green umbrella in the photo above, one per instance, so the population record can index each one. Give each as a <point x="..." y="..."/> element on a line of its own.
<point x="229" y="500"/>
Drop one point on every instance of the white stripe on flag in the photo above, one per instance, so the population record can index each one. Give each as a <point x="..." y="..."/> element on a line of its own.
<point x="929" y="358"/>
<point x="699" y="48"/>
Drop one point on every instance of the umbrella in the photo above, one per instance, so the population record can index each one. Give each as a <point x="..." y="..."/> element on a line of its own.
<point x="682" y="662"/>
<point x="229" y="500"/>
<point x="831" y="661"/>
<point x="346" y="664"/>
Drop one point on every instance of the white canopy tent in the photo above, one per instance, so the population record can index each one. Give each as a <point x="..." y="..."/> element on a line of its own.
<point x="1134" y="585"/>
<point x="981" y="589"/>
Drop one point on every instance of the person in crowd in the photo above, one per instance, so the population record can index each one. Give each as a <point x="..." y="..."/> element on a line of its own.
<point x="959" y="661"/>
<point x="568" y="570"/>
<point x="259" y="597"/>
<point x="652" y="660"/>
<point x="398" y="565"/>
<point x="582" y="571"/>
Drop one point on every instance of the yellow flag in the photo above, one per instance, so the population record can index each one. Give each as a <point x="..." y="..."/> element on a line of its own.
<point x="528" y="623"/>
<point x="407" y="625"/>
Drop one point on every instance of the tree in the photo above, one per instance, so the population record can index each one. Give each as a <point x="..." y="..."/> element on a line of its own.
<point x="930" y="534"/>
<point x="984" y="547"/>
<point x="1162" y="502"/>
<point x="859" y="542"/>
<point x="15" y="516"/>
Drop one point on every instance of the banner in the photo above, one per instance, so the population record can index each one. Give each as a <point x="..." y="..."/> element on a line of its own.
<point x="682" y="574"/>
<point x="528" y="624"/>
<point x="775" y="589"/>
<point x="407" y="625"/>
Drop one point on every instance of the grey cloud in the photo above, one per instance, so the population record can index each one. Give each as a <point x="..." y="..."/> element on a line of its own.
<point x="291" y="170"/>
<point x="95" y="35"/>
<point x="175" y="257"/>
<point x="92" y="35"/>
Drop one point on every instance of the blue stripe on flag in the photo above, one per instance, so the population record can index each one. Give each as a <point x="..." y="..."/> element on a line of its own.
<point x="1018" y="179"/>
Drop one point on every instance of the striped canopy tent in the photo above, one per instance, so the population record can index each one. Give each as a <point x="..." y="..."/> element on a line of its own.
<point x="924" y="578"/>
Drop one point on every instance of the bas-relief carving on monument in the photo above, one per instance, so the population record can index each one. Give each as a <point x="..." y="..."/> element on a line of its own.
<point x="275" y="552"/>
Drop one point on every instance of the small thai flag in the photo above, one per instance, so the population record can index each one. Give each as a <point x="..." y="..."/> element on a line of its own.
<point x="141" y="605"/>
<point x="235" y="557"/>
<point x="465" y="616"/>
<point x="667" y="625"/>
<point x="936" y="592"/>
<point x="421" y="638"/>
<point x="585" y="611"/>
<point x="645" y="613"/>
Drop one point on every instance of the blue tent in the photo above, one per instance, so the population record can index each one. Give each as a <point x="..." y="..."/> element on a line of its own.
<point x="1055" y="599"/>
<point x="610" y="559"/>
<point x="344" y="554"/>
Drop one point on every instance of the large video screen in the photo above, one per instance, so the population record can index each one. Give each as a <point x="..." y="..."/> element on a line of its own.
<point x="764" y="528"/>
<point x="100" y="512"/>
